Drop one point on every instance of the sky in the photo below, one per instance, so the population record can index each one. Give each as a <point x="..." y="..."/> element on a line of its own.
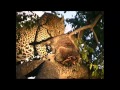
<point x="67" y="15"/>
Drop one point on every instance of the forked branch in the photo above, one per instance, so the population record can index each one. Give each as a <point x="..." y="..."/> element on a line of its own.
<point x="91" y="26"/>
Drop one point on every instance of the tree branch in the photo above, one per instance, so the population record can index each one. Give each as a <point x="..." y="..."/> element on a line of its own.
<point x="96" y="20"/>
<point x="95" y="35"/>
<point x="25" y="68"/>
<point x="87" y="27"/>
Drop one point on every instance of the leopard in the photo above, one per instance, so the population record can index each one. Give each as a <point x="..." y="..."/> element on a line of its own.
<point x="49" y="26"/>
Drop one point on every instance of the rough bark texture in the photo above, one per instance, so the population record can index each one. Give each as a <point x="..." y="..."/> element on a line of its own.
<point x="50" y="70"/>
<point x="25" y="68"/>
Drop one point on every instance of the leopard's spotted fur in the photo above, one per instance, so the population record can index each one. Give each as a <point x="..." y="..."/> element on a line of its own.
<point x="50" y="26"/>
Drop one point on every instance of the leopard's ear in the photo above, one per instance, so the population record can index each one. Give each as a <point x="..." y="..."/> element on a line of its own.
<point x="62" y="19"/>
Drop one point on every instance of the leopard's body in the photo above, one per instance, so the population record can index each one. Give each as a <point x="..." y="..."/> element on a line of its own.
<point x="50" y="26"/>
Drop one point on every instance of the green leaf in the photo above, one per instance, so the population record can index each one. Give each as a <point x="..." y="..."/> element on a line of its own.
<point x="84" y="55"/>
<point x="103" y="70"/>
<point x="91" y="50"/>
<point x="95" y="67"/>
<point x="90" y="66"/>
<point x="93" y="73"/>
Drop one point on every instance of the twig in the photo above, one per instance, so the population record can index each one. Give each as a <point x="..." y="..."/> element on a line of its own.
<point x="91" y="26"/>
<point x="96" y="20"/>
<point x="95" y="36"/>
